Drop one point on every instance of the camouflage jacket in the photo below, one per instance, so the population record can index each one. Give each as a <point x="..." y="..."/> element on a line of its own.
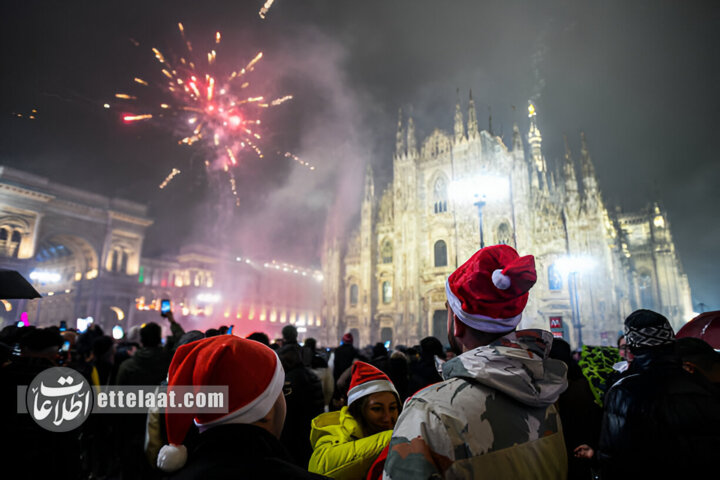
<point x="492" y="417"/>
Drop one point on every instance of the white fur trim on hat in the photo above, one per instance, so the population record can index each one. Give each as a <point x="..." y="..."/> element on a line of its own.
<point x="258" y="408"/>
<point x="373" y="386"/>
<point x="172" y="458"/>
<point x="499" y="280"/>
<point x="480" y="322"/>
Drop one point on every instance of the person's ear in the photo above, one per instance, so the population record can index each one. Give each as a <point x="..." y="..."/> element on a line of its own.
<point x="689" y="367"/>
<point x="459" y="328"/>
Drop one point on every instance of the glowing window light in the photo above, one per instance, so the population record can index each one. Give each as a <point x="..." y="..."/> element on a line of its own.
<point x="208" y="297"/>
<point x="45" y="277"/>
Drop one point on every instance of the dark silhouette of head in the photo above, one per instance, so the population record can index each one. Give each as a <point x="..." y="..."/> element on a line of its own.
<point x="150" y="335"/>
<point x="379" y="350"/>
<point x="430" y="347"/>
<point x="260" y="337"/>
<point x="289" y="334"/>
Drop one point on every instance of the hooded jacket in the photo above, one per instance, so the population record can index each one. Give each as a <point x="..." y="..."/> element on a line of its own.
<point x="339" y="449"/>
<point x="492" y="417"/>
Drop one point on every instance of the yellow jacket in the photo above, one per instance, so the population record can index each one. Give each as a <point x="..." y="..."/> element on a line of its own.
<point x="339" y="449"/>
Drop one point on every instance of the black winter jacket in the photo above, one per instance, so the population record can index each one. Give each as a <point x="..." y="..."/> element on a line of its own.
<point x="660" y="422"/>
<point x="240" y="451"/>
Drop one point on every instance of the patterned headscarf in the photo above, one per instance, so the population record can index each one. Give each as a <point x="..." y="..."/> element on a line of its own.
<point x="646" y="329"/>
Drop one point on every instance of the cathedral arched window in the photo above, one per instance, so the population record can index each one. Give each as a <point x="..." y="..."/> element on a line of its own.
<point x="15" y="240"/>
<point x="555" y="280"/>
<point x="115" y="261"/>
<point x="440" y="195"/>
<point x="386" y="292"/>
<point x="504" y="234"/>
<point x="440" y="253"/>
<point x="386" y="252"/>
<point x="353" y="294"/>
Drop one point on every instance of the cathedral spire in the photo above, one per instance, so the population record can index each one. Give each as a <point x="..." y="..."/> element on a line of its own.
<point x="588" y="170"/>
<point x="369" y="184"/>
<point x="472" y="119"/>
<point x="569" y="169"/>
<point x="517" y="145"/>
<point x="400" y="136"/>
<point x="459" y="125"/>
<point x="534" y="181"/>
<point x="490" y="130"/>
<point x="535" y="140"/>
<point x="411" y="141"/>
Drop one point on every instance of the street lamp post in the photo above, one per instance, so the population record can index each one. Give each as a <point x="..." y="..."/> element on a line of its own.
<point x="570" y="266"/>
<point x="572" y="285"/>
<point x="480" y="204"/>
<point x="479" y="190"/>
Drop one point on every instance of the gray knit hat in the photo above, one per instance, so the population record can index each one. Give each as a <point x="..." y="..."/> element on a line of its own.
<point x="647" y="329"/>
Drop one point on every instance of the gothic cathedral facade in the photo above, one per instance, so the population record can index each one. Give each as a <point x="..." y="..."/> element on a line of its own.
<point x="385" y="280"/>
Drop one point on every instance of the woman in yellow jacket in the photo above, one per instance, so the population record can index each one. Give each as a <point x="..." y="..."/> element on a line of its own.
<point x="347" y="442"/>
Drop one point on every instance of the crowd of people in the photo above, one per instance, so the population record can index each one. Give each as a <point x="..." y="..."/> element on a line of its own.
<point x="498" y="403"/>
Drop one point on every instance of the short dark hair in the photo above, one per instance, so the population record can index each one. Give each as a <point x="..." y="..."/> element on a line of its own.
<point x="290" y="333"/>
<point x="260" y="337"/>
<point x="697" y="352"/>
<point x="39" y="339"/>
<point x="150" y="335"/>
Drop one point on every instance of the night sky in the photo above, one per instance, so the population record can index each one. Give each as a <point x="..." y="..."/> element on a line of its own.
<point x="639" y="78"/>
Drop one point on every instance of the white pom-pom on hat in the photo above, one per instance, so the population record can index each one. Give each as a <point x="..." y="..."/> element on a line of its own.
<point x="172" y="458"/>
<point x="501" y="281"/>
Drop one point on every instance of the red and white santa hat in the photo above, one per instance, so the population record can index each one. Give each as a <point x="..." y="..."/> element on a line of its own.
<point x="490" y="290"/>
<point x="367" y="379"/>
<point x="252" y="372"/>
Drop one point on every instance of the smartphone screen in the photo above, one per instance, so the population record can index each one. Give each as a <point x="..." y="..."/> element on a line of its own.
<point x="66" y="346"/>
<point x="164" y="306"/>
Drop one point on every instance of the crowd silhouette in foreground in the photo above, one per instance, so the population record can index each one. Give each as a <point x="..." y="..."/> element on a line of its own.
<point x="498" y="403"/>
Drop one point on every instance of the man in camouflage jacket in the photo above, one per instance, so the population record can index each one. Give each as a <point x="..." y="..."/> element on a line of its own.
<point x="493" y="416"/>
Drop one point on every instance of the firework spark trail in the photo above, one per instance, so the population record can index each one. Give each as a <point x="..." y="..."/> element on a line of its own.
<point x="205" y="108"/>
<point x="167" y="180"/>
<point x="299" y="160"/>
<point x="263" y="11"/>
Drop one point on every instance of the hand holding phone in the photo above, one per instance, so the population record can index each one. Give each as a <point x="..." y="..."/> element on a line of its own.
<point x="164" y="307"/>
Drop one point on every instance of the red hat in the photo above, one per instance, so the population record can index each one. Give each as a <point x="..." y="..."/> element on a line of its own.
<point x="490" y="290"/>
<point x="367" y="379"/>
<point x="252" y="372"/>
<point x="347" y="338"/>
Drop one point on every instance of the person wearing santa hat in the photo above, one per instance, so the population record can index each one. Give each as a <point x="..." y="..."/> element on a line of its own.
<point x="243" y="443"/>
<point x="346" y="442"/>
<point x="493" y="415"/>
